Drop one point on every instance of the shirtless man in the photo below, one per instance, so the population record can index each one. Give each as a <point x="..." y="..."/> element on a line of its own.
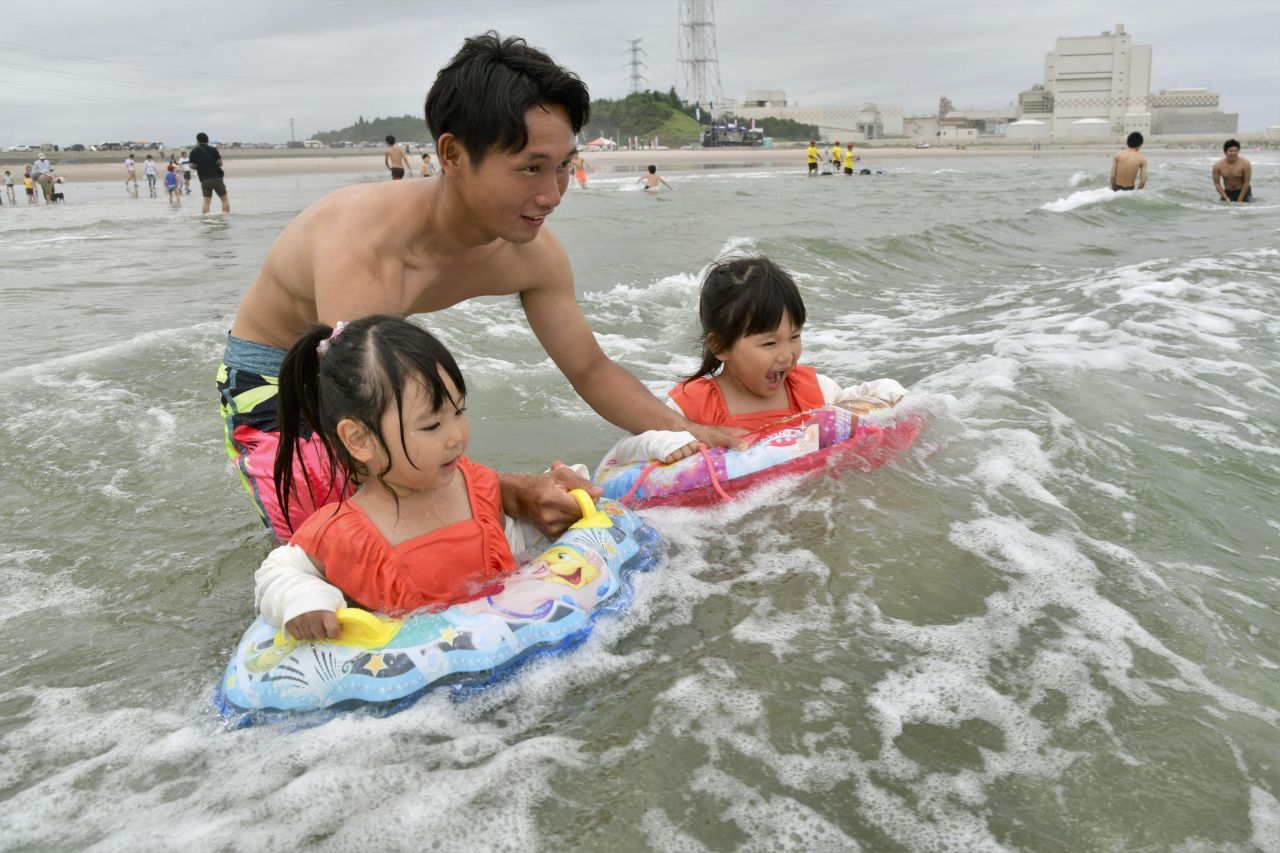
<point x="1232" y="174"/>
<point x="1129" y="168"/>
<point x="653" y="179"/>
<point x="395" y="158"/>
<point x="504" y="116"/>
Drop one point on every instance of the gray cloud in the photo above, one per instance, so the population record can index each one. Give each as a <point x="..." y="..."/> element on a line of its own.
<point x="164" y="72"/>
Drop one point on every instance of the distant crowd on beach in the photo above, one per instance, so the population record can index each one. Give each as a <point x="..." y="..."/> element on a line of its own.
<point x="176" y="177"/>
<point x="39" y="175"/>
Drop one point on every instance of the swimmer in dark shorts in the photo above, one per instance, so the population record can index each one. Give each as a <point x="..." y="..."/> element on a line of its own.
<point x="397" y="174"/>
<point x="1116" y="188"/>
<point x="1234" y="195"/>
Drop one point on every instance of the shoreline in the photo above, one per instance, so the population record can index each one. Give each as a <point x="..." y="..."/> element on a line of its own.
<point x="109" y="166"/>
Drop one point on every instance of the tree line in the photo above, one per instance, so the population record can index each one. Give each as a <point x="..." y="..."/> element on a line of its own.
<point x="644" y="115"/>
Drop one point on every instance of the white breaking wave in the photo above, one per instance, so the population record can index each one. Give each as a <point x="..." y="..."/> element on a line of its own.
<point x="1079" y="199"/>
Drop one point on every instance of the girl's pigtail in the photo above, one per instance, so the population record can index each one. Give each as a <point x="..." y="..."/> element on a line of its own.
<point x="299" y="403"/>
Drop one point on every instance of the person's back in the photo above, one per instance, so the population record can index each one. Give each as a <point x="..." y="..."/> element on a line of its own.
<point x="1129" y="167"/>
<point x="395" y="159"/>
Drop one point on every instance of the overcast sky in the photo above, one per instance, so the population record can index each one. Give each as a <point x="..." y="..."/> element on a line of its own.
<point x="239" y="69"/>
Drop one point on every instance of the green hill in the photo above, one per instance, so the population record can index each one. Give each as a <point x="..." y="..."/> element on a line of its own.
<point x="403" y="128"/>
<point x="643" y="114"/>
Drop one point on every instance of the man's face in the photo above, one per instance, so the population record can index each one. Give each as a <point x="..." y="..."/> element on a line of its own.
<point x="512" y="192"/>
<point x="1232" y="154"/>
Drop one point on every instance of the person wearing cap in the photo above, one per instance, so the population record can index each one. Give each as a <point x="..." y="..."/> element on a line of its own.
<point x="40" y="171"/>
<point x="812" y="155"/>
<point x="835" y="156"/>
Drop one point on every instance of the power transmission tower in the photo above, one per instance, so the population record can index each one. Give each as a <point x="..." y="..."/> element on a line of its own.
<point x="699" y="59"/>
<point x="636" y="65"/>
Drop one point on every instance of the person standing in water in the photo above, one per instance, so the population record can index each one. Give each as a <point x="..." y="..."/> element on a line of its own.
<point x="395" y="158"/>
<point x="1129" y="167"/>
<point x="208" y="163"/>
<point x="811" y="155"/>
<point x="580" y="169"/>
<point x="1233" y="174"/>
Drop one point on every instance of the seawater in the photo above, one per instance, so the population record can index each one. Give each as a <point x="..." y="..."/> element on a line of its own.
<point x="1054" y="624"/>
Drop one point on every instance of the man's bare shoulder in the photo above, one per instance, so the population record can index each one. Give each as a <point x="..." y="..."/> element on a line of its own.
<point x="540" y="264"/>
<point x="361" y="216"/>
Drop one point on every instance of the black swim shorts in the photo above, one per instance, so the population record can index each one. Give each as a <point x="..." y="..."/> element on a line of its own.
<point x="1234" y="195"/>
<point x="397" y="174"/>
<point x="211" y="186"/>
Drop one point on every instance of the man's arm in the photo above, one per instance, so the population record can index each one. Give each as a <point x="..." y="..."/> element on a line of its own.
<point x="616" y="395"/>
<point x="1115" y="166"/>
<point x="1248" y="176"/>
<point x="1142" y="173"/>
<point x="1218" y="181"/>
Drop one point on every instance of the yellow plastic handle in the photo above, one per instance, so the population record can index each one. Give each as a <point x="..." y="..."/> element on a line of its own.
<point x="591" y="517"/>
<point x="359" y="628"/>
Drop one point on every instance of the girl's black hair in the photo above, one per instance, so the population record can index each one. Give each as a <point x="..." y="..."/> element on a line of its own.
<point x="741" y="297"/>
<point x="481" y="96"/>
<point x="363" y="370"/>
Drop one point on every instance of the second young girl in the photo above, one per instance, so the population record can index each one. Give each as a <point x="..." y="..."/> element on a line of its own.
<point x="752" y="318"/>
<point x="425" y="525"/>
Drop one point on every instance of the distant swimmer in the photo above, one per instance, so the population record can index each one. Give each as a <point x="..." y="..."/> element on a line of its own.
<point x="1129" y="168"/>
<point x="428" y="168"/>
<point x="652" y="180"/>
<point x="1232" y="175"/>
<point x="812" y="155"/>
<point x="395" y="158"/>
<point x="580" y="169"/>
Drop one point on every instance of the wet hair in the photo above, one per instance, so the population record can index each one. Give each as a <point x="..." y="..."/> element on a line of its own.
<point x="653" y="170"/>
<point x="741" y="297"/>
<point x="391" y="140"/>
<point x="1134" y="140"/>
<point x="202" y="138"/>
<point x="1230" y="143"/>
<point x="363" y="371"/>
<point x="482" y="95"/>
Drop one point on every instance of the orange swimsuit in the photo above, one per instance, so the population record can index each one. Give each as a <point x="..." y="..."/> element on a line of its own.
<point x="703" y="403"/>
<point x="456" y="563"/>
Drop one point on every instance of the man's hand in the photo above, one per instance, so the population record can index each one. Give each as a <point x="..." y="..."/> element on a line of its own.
<point x="544" y="499"/>
<point x="314" y="625"/>
<point x="730" y="437"/>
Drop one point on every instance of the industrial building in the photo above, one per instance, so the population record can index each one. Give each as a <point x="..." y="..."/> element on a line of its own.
<point x="849" y="123"/>
<point x="1101" y="86"/>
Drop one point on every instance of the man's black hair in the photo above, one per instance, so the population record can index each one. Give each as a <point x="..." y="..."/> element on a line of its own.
<point x="1230" y="143"/>
<point x="482" y="95"/>
<point x="202" y="138"/>
<point x="391" y="140"/>
<point x="1134" y="140"/>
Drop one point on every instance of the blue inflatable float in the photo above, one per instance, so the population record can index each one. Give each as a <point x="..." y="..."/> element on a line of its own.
<point x="547" y="606"/>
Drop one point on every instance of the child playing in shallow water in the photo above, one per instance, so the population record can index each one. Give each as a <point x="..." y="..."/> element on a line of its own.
<point x="425" y="526"/>
<point x="750" y="376"/>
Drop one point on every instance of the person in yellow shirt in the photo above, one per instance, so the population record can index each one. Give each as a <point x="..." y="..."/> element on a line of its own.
<point x="812" y="154"/>
<point x="30" y="184"/>
<point x="849" y="159"/>
<point x="835" y="157"/>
